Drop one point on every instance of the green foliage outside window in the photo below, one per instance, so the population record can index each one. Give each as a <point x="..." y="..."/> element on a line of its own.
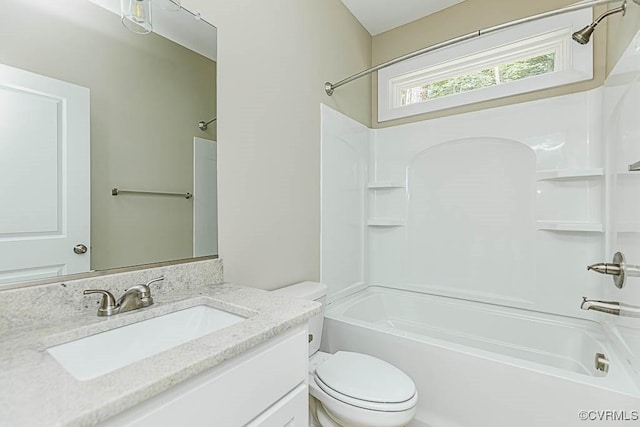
<point x="503" y="73"/>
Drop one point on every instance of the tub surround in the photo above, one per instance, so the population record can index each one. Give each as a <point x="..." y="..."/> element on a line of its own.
<point x="431" y="196"/>
<point x="36" y="390"/>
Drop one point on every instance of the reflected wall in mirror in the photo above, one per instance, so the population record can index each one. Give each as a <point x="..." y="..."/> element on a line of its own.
<point x="87" y="106"/>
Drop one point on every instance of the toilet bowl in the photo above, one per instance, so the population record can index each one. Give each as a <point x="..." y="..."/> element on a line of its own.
<point x="357" y="390"/>
<point x="350" y="389"/>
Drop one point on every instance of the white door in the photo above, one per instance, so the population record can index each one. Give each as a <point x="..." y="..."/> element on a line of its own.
<point x="44" y="176"/>
<point x="205" y="198"/>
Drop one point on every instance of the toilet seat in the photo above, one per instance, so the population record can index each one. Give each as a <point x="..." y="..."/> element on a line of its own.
<point x="366" y="382"/>
<point x="351" y="389"/>
<point x="331" y="412"/>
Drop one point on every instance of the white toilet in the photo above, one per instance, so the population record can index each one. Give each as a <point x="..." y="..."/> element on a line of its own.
<point x="351" y="389"/>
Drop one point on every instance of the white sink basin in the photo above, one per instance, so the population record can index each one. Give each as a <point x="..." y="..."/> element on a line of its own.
<point x="98" y="354"/>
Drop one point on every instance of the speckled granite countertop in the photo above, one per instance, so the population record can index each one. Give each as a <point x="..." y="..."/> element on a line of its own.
<point x="36" y="391"/>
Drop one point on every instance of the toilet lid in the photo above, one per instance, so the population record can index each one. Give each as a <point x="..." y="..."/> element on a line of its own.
<point x="365" y="378"/>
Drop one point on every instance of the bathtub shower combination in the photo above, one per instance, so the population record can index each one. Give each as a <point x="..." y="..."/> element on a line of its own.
<point x="471" y="355"/>
<point x="458" y="253"/>
<point x="538" y="340"/>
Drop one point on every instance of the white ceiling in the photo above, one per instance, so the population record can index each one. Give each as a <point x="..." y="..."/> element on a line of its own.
<point x="378" y="16"/>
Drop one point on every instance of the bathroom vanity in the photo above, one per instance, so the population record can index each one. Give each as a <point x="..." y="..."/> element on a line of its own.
<point x="251" y="371"/>
<point x="265" y="387"/>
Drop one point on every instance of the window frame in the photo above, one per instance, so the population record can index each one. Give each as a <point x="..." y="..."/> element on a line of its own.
<point x="573" y="62"/>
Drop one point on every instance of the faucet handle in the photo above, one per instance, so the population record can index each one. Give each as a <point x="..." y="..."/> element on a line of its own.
<point x="108" y="304"/>
<point x="145" y="292"/>
<point x="157" y="279"/>
<point x="144" y="289"/>
<point x="617" y="268"/>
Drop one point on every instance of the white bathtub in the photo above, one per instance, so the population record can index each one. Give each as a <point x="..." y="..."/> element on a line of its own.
<point x="479" y="364"/>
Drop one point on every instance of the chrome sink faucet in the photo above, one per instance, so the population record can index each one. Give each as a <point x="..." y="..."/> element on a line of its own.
<point x="610" y="307"/>
<point x="135" y="297"/>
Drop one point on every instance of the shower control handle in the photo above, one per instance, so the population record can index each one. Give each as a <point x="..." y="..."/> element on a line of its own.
<point x="618" y="268"/>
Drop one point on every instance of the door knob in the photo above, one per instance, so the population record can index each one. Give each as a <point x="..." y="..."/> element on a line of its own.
<point x="80" y="249"/>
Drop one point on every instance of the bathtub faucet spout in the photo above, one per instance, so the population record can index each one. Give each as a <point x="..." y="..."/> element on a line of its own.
<point x="610" y="307"/>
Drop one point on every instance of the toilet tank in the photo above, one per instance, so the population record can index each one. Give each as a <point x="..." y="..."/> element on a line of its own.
<point x="309" y="291"/>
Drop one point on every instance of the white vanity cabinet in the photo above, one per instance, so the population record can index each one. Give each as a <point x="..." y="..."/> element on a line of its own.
<point x="262" y="387"/>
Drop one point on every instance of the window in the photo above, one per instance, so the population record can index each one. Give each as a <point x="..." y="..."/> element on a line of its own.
<point x="521" y="59"/>
<point x="498" y="74"/>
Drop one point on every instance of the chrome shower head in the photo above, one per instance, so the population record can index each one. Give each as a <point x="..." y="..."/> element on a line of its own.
<point x="202" y="125"/>
<point x="584" y="35"/>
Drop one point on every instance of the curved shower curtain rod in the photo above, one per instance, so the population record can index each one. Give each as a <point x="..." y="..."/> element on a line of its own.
<point x="330" y="87"/>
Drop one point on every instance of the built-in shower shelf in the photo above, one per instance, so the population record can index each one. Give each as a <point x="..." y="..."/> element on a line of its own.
<point x="384" y="185"/>
<point x="386" y="222"/>
<point x="561" y="174"/>
<point x="569" y="226"/>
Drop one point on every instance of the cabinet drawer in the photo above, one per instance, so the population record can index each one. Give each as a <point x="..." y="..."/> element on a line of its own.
<point x="290" y="411"/>
<point x="231" y="394"/>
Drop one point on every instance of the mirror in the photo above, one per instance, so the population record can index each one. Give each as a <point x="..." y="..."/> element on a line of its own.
<point x="87" y="106"/>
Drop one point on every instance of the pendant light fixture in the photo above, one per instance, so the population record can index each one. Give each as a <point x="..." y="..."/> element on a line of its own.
<point x="136" y="15"/>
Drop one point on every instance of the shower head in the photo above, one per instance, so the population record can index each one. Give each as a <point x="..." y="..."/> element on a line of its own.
<point x="205" y="125"/>
<point x="584" y="35"/>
